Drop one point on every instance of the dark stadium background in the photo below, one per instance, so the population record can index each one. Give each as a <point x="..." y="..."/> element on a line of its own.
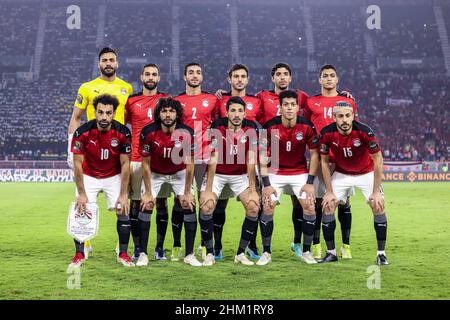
<point x="399" y="74"/>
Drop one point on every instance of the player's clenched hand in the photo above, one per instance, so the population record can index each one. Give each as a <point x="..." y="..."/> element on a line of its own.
<point x="329" y="202"/>
<point x="147" y="201"/>
<point x="310" y="193"/>
<point x="205" y="197"/>
<point x="187" y="200"/>
<point x="81" y="203"/>
<point x="267" y="197"/>
<point x="219" y="93"/>
<point x="377" y="202"/>
<point x="122" y="205"/>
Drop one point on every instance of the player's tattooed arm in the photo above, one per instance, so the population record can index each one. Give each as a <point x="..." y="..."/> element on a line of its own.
<point x="78" y="172"/>
<point x="147" y="199"/>
<point x="329" y="200"/>
<point x="122" y="201"/>
<point x="376" y="198"/>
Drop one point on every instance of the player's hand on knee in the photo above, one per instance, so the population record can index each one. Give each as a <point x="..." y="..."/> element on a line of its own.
<point x="207" y="201"/>
<point x="187" y="201"/>
<point x="82" y="200"/>
<point x="253" y="200"/>
<point x="376" y="202"/>
<point x="267" y="197"/>
<point x="147" y="201"/>
<point x="329" y="202"/>
<point x="122" y="205"/>
<point x="310" y="192"/>
<point x="70" y="160"/>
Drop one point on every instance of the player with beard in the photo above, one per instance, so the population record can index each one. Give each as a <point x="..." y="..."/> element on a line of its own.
<point x="102" y="164"/>
<point x="167" y="147"/>
<point x="319" y="110"/>
<point x="200" y="108"/>
<point x="358" y="163"/>
<point x="139" y="112"/>
<point x="238" y="77"/>
<point x="108" y="82"/>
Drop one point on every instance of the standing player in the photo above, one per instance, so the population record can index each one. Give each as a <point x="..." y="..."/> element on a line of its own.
<point x="139" y="111"/>
<point x="167" y="148"/>
<point x="288" y="171"/>
<point x="102" y="164"/>
<point x="359" y="163"/>
<point x="319" y="110"/>
<point x="200" y="108"/>
<point x="238" y="77"/>
<point x="233" y="164"/>
<point x="281" y="77"/>
<point x="108" y="82"/>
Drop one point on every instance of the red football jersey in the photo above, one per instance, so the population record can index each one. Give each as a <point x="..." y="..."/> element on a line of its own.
<point x="166" y="150"/>
<point x="253" y="107"/>
<point x="271" y="104"/>
<point x="201" y="109"/>
<point x="101" y="150"/>
<point x="139" y="113"/>
<point x="352" y="152"/>
<point x="233" y="146"/>
<point x="319" y="109"/>
<point x="291" y="143"/>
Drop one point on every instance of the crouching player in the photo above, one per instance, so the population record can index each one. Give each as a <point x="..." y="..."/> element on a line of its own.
<point x="101" y="150"/>
<point x="233" y="163"/>
<point x="288" y="171"/>
<point x="359" y="164"/>
<point x="167" y="149"/>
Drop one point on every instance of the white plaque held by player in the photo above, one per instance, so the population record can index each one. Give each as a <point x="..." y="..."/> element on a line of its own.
<point x="83" y="226"/>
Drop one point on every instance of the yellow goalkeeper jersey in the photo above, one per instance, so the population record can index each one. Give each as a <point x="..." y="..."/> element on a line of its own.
<point x="89" y="90"/>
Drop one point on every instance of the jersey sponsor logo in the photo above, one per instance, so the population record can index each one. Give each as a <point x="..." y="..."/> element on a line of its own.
<point x="299" y="136"/>
<point x="356" y="142"/>
<point x="93" y="142"/>
<point x="79" y="99"/>
<point x="335" y="144"/>
<point x="77" y="145"/>
<point x="249" y="106"/>
<point x="373" y="145"/>
<point x="139" y="105"/>
<point x="96" y="91"/>
<point x="205" y="103"/>
<point x="271" y="100"/>
<point x="114" y="143"/>
<point x="157" y="143"/>
<point x="123" y="91"/>
<point x="323" y="148"/>
<point x="317" y="104"/>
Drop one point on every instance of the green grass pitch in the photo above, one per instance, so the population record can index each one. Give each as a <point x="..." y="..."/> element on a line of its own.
<point x="35" y="252"/>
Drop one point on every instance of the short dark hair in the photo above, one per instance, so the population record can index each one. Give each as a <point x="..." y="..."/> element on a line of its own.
<point x="164" y="103"/>
<point x="149" y="65"/>
<point x="235" y="99"/>
<point x="190" y="65"/>
<point x="327" y="66"/>
<point x="288" y="94"/>
<point x="106" y="50"/>
<point x="106" y="99"/>
<point x="281" y="65"/>
<point x="235" y="67"/>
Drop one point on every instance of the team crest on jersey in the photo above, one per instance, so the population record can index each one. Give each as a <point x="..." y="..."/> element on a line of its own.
<point x="299" y="136"/>
<point x="249" y="106"/>
<point x="356" y="142"/>
<point x="114" y="143"/>
<point x="243" y="139"/>
<point x="205" y="103"/>
<point x="79" y="99"/>
<point x="323" y="148"/>
<point x="123" y="91"/>
<point x="77" y="145"/>
<point x="146" y="148"/>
